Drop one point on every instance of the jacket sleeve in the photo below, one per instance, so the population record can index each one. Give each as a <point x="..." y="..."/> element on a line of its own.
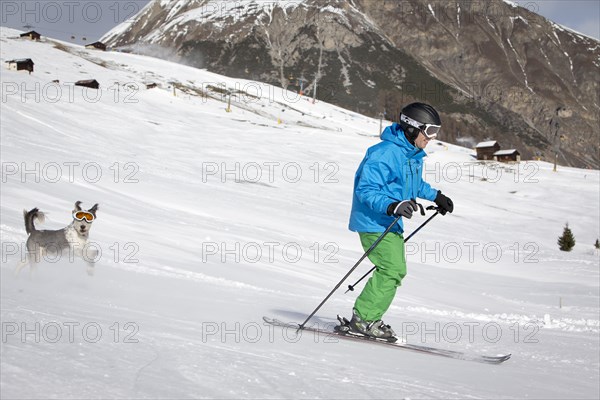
<point x="426" y="191"/>
<point x="374" y="177"/>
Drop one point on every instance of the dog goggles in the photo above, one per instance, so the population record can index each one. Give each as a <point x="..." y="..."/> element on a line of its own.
<point x="81" y="215"/>
<point x="429" y="130"/>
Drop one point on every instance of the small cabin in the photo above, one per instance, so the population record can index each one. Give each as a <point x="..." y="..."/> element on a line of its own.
<point x="486" y="150"/>
<point x="32" y="35"/>
<point x="96" y="45"/>
<point x="90" y="83"/>
<point x="22" y="64"/>
<point x="511" y="155"/>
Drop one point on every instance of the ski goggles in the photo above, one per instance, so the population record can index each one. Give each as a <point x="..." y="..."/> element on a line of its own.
<point x="429" y="130"/>
<point x="81" y="215"/>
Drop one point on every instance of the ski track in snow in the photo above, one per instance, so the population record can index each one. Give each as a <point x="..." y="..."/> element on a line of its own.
<point x="567" y="324"/>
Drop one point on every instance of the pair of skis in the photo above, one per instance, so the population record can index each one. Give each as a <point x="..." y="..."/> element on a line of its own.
<point x="343" y="334"/>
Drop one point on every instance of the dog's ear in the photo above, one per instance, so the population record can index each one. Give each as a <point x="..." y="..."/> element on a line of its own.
<point x="77" y="207"/>
<point x="94" y="209"/>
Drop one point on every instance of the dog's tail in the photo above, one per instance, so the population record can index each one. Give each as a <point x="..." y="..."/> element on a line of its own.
<point x="31" y="216"/>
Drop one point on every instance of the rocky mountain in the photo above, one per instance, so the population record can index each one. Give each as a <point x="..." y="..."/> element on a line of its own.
<point x="494" y="69"/>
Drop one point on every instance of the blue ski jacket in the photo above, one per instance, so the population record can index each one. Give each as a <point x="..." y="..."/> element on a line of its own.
<point x="391" y="171"/>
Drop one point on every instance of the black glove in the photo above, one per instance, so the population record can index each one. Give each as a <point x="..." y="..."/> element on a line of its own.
<point x="402" y="208"/>
<point x="444" y="203"/>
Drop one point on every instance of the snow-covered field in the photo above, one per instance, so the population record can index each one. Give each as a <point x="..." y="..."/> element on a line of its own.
<point x="210" y="219"/>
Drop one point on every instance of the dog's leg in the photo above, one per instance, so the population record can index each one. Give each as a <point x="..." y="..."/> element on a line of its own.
<point x="90" y="258"/>
<point x="38" y="254"/>
<point x="32" y="257"/>
<point x="87" y="254"/>
<point x="26" y="260"/>
<point x="21" y="264"/>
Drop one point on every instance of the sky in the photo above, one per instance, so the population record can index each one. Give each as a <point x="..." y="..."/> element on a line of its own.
<point x="84" y="21"/>
<point x="580" y="15"/>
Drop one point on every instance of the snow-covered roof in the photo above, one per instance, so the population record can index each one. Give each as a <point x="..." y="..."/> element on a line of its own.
<point x="489" y="143"/>
<point x="20" y="60"/>
<point x="506" y="152"/>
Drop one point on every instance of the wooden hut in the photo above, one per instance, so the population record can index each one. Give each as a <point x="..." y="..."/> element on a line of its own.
<point x="511" y="155"/>
<point x="32" y="35"/>
<point x="21" y="64"/>
<point x="90" y="83"/>
<point x="486" y="150"/>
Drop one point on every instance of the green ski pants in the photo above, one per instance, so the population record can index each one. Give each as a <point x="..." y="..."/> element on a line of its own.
<point x="390" y="262"/>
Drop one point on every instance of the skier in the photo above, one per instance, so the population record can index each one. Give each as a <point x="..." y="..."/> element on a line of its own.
<point x="386" y="186"/>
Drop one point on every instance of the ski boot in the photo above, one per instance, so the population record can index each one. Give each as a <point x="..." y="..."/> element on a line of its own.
<point x="370" y="329"/>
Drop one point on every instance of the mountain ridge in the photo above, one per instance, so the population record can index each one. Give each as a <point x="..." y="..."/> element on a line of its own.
<point x="494" y="70"/>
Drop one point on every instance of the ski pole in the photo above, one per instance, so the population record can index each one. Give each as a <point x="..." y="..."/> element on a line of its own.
<point x="351" y="287"/>
<point x="379" y="239"/>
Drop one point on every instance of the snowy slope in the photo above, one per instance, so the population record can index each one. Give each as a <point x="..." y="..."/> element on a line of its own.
<point x="209" y="220"/>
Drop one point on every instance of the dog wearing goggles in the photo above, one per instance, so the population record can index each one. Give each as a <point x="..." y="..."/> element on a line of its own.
<point x="60" y="244"/>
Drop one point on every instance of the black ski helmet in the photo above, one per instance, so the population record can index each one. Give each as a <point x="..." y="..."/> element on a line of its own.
<point x="422" y="113"/>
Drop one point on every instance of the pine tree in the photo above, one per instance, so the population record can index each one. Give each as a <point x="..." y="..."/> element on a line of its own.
<point x="597" y="244"/>
<point x="567" y="241"/>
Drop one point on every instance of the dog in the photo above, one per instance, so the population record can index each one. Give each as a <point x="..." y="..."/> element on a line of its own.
<point x="73" y="238"/>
